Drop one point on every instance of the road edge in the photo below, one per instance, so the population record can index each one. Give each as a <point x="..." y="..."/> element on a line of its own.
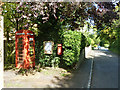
<point x="90" y="75"/>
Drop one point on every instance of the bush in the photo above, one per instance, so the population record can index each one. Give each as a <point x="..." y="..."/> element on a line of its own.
<point x="46" y="60"/>
<point x="83" y="41"/>
<point x="115" y="46"/>
<point x="106" y="45"/>
<point x="71" y="43"/>
<point x="72" y="47"/>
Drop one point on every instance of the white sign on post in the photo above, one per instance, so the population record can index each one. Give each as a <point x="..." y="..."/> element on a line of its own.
<point x="1" y="52"/>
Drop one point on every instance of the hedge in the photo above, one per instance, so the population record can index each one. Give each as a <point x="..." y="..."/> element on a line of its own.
<point x="72" y="43"/>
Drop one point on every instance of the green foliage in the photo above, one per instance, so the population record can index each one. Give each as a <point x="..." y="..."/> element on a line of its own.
<point x="71" y="43"/>
<point x="55" y="62"/>
<point x="106" y="45"/>
<point x="83" y="42"/>
<point x="92" y="39"/>
<point x="10" y="52"/>
<point x="72" y="47"/>
<point x="23" y="71"/>
<point x="46" y="20"/>
<point x="95" y="45"/>
<point x="110" y="34"/>
<point x="49" y="31"/>
<point x="44" y="59"/>
<point x="89" y="41"/>
<point x="115" y="46"/>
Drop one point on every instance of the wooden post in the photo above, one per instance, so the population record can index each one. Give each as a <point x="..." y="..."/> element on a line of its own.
<point x="1" y="52"/>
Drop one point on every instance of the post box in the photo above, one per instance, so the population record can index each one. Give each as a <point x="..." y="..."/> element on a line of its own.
<point x="59" y="49"/>
<point x="25" y="49"/>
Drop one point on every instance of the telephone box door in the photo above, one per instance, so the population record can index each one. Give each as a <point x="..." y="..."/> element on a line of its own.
<point x="25" y="49"/>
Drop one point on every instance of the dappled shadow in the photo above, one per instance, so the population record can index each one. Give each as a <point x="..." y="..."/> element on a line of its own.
<point x="77" y="79"/>
<point x="105" y="72"/>
<point x="104" y="53"/>
<point x="105" y="63"/>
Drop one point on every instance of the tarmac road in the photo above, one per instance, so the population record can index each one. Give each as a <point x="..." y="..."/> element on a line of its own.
<point x="105" y="69"/>
<point x="104" y="75"/>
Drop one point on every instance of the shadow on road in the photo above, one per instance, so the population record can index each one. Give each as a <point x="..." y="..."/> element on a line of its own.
<point x="105" y="72"/>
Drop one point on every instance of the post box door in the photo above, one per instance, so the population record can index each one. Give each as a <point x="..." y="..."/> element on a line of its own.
<point x="59" y="49"/>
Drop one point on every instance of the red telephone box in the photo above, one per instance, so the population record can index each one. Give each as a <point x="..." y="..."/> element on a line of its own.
<point x="25" y="49"/>
<point x="59" y="49"/>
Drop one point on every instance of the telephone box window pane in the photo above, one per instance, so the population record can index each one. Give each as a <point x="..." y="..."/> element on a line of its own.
<point x="20" y="33"/>
<point x="20" y="55"/>
<point x="20" y="46"/>
<point x="31" y="43"/>
<point x="31" y="49"/>
<point x="20" y="50"/>
<point x="30" y="39"/>
<point x="31" y="52"/>
<point x="29" y="33"/>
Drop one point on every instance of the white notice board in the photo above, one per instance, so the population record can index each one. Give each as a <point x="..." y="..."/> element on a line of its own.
<point x="48" y="47"/>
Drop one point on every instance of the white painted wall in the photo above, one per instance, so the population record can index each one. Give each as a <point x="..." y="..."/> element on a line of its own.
<point x="87" y="51"/>
<point x="1" y="52"/>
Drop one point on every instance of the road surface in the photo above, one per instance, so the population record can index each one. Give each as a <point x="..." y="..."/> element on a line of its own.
<point x="105" y="71"/>
<point x="104" y="75"/>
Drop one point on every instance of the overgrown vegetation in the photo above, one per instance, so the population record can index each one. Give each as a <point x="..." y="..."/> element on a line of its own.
<point x="46" y="21"/>
<point x="71" y="43"/>
<point x="115" y="47"/>
<point x="71" y="46"/>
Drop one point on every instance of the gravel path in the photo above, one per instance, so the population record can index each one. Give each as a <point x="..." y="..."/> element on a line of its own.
<point x="41" y="79"/>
